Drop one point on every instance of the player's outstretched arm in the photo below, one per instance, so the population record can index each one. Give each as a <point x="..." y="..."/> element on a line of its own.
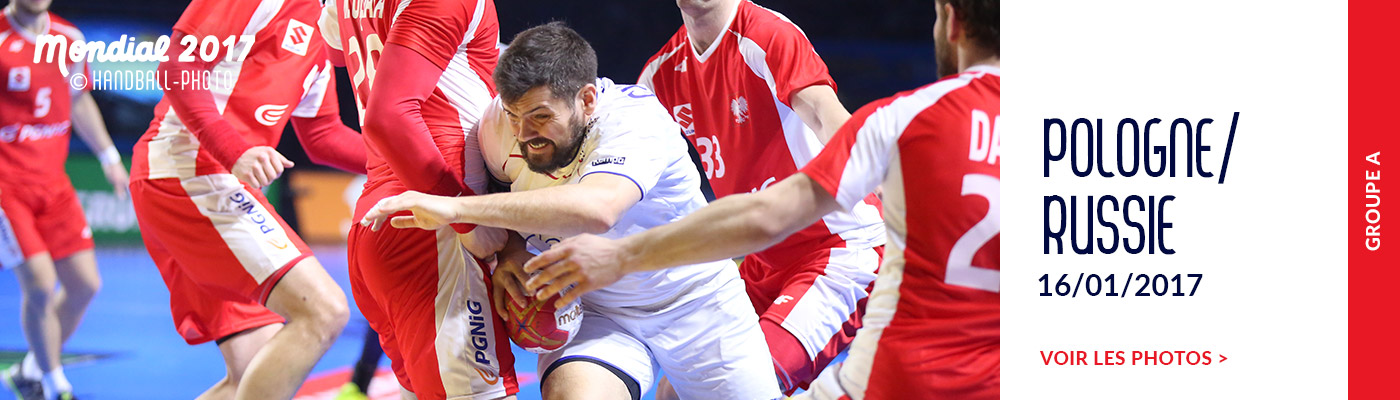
<point x="591" y="206"/>
<point x="730" y="227"/>
<point x="88" y="124"/>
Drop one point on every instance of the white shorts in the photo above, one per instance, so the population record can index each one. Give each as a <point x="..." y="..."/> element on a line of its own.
<point x="708" y="344"/>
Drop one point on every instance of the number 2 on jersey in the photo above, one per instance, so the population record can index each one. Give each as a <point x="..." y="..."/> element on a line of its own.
<point x="366" y="57"/>
<point x="960" y="270"/>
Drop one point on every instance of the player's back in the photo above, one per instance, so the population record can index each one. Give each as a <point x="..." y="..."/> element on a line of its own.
<point x="36" y="105"/>
<point x="257" y="85"/>
<point x="939" y="288"/>
<point x="467" y="60"/>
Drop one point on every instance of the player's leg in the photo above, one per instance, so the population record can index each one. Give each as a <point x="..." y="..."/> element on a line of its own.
<point x="664" y="390"/>
<point x="603" y="361"/>
<point x="238" y="350"/>
<point x="711" y="346"/>
<point x="584" y="379"/>
<point x="64" y="228"/>
<point x="23" y="249"/>
<point x="225" y="246"/>
<point x="37" y="278"/>
<point x="365" y="367"/>
<point x="431" y="306"/>
<point x="816" y="312"/>
<point x="316" y="311"/>
<point x="79" y="280"/>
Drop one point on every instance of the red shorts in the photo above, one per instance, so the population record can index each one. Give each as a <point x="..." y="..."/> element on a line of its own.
<point x="430" y="302"/>
<point x="41" y="218"/>
<point x="814" y="293"/>
<point x="921" y="338"/>
<point x="220" y="248"/>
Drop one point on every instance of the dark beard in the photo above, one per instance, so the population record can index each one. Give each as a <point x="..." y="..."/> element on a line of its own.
<point x="946" y="63"/>
<point x="560" y="158"/>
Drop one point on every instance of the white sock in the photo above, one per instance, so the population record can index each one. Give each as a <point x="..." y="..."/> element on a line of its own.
<point x="55" y="383"/>
<point x="30" y="368"/>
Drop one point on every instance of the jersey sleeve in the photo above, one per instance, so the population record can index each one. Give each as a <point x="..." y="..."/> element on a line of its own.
<point x="637" y="152"/>
<point x="434" y="28"/>
<point x="329" y="22"/>
<point x="219" y="18"/>
<point x="792" y="61"/>
<point x="856" y="159"/>
<point x="320" y="97"/>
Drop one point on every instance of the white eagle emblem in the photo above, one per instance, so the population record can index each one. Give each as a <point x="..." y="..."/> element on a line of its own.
<point x="740" y="107"/>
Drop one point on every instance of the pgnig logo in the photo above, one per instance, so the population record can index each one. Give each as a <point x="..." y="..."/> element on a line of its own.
<point x="58" y="50"/>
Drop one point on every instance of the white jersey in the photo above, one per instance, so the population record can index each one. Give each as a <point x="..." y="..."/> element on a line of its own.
<point x="633" y="137"/>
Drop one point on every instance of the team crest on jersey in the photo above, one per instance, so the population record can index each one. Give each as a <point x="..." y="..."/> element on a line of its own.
<point x="19" y="79"/>
<point x="685" y="117"/>
<point x="740" y="107"/>
<point x="269" y="114"/>
<point x="298" y="37"/>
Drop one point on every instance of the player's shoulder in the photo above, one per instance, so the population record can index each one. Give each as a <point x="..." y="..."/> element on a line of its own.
<point x="976" y="87"/>
<point x="631" y="110"/>
<point x="60" y="26"/>
<point x="762" y="25"/>
<point x="663" y="63"/>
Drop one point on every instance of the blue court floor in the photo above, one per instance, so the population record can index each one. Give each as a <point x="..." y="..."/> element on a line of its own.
<point x="127" y="347"/>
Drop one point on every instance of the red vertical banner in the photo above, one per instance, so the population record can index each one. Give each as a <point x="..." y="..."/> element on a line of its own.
<point x="1373" y="255"/>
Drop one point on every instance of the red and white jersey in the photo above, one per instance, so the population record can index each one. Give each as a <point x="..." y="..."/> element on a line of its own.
<point x="734" y="103"/>
<point x="934" y="314"/>
<point x="286" y="73"/>
<point x="36" y="104"/>
<point x="458" y="36"/>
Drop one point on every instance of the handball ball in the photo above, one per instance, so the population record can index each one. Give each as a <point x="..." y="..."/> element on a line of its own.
<point x="539" y="327"/>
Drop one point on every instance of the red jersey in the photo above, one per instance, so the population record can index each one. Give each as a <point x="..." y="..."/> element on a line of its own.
<point x="934" y="315"/>
<point x="286" y="73"/>
<point x="734" y="103"/>
<point x="36" y="104"/>
<point x="458" y="36"/>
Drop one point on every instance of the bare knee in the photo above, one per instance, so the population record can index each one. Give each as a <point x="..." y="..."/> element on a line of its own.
<point x="311" y="301"/>
<point x="327" y="315"/>
<point x="335" y="313"/>
<point x="83" y="290"/>
<point x="583" y="380"/>
<point x="36" y="278"/>
<point x="38" y="298"/>
<point x="78" y="274"/>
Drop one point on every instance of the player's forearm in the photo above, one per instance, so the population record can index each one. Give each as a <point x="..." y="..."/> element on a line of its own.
<point x="89" y="126"/>
<point x="730" y="227"/>
<point x="329" y="142"/>
<point x="197" y="110"/>
<point x="557" y="211"/>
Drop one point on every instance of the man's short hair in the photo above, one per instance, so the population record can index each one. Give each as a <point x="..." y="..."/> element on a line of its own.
<point x="982" y="19"/>
<point x="547" y="55"/>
